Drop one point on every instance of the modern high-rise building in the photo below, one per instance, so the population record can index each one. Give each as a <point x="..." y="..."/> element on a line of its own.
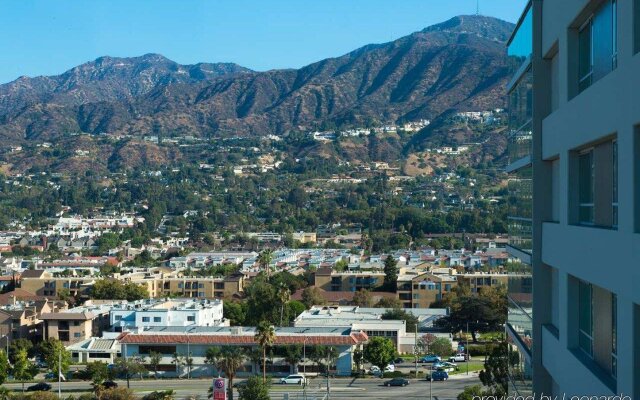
<point x="575" y="182"/>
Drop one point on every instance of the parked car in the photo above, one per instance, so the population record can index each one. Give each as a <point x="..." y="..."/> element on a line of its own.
<point x="458" y="358"/>
<point x="109" y="384"/>
<point x="431" y="358"/>
<point x="293" y="379"/>
<point x="397" y="382"/>
<point x="374" y="370"/>
<point x="390" y="368"/>
<point x="438" y="376"/>
<point x="398" y="360"/>
<point x="39" y="387"/>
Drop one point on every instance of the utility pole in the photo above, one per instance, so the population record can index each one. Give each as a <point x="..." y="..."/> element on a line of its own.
<point x="415" y="351"/>
<point x="467" y="347"/>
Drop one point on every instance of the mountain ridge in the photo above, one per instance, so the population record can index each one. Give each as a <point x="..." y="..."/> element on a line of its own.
<point x="457" y="64"/>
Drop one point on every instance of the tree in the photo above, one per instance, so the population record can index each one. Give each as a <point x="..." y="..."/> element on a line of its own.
<point x="472" y="393"/>
<point x="411" y="321"/>
<point x="358" y="358"/>
<point x="255" y="389"/>
<point x="362" y="298"/>
<point x="23" y="369"/>
<point x="98" y="372"/>
<point x="18" y="344"/>
<point x="55" y="356"/>
<point x="390" y="274"/>
<point x="4" y="366"/>
<point x="188" y="362"/>
<point x="155" y="359"/>
<point x="442" y="347"/>
<point x="228" y="360"/>
<point x="379" y="352"/>
<point x="178" y="360"/>
<point x="129" y="367"/>
<point x="293" y="355"/>
<point x="265" y="337"/>
<point x="264" y="260"/>
<point x="160" y="395"/>
<point x="486" y="312"/>
<point x="295" y="308"/>
<point x="117" y="394"/>
<point x="108" y="289"/>
<point x="496" y="370"/>
<point x="425" y="342"/>
<point x="388" y="302"/>
<point x="235" y="312"/>
<point x="284" y="295"/>
<point x="311" y="296"/>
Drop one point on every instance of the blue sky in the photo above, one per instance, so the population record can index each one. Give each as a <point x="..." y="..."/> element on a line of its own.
<point x="47" y="37"/>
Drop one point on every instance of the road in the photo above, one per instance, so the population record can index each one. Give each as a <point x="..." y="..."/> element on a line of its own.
<point x="347" y="389"/>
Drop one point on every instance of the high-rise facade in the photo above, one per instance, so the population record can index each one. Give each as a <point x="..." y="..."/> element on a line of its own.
<point x="520" y="221"/>
<point x="580" y="160"/>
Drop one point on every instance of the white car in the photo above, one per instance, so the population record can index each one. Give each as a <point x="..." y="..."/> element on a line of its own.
<point x="293" y="379"/>
<point x="390" y="368"/>
<point x="458" y="358"/>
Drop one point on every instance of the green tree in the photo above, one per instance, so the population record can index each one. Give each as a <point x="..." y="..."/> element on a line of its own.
<point x="311" y="296"/>
<point x="411" y="320"/>
<point x="293" y="355"/>
<point x="227" y="359"/>
<point x="389" y="302"/>
<point x="390" y="274"/>
<point x="23" y="370"/>
<point x="178" y="360"/>
<point x="255" y="389"/>
<point x="471" y="393"/>
<point x="442" y="347"/>
<point x="98" y="372"/>
<point x="495" y="373"/>
<point x="108" y="289"/>
<point x="265" y="337"/>
<point x="362" y="298"/>
<point x="155" y="359"/>
<point x="129" y="367"/>
<point x="264" y="260"/>
<point x="55" y="356"/>
<point x="4" y="366"/>
<point x="235" y="312"/>
<point x="379" y="352"/>
<point x="160" y="395"/>
<point x="107" y="241"/>
<point x="358" y="358"/>
<point x="284" y="295"/>
<point x="18" y="344"/>
<point x="295" y="308"/>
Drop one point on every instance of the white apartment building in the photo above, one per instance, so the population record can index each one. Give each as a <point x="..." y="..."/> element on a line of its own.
<point x="585" y="159"/>
<point x="143" y="314"/>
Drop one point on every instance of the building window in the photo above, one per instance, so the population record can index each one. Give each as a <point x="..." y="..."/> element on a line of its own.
<point x="146" y="319"/>
<point x="76" y="334"/>
<point x="614" y="179"/>
<point x="157" y="319"/>
<point x="191" y="318"/>
<point x="118" y="317"/>
<point x="585" y="317"/>
<point x="586" y="176"/>
<point x="614" y="335"/>
<point x="636" y="24"/>
<point x="598" y="45"/>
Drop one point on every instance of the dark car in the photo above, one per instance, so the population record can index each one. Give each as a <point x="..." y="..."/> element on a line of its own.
<point x="397" y="382"/>
<point x="109" y="384"/>
<point x="398" y="360"/>
<point x="438" y="376"/>
<point x="39" y="387"/>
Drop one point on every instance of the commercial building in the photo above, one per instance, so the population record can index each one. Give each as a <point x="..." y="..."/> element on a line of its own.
<point x="76" y="324"/>
<point x="584" y="154"/>
<point x="132" y="316"/>
<point x="195" y="341"/>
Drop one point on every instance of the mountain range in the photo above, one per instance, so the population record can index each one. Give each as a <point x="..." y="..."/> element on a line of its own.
<point x="456" y="65"/>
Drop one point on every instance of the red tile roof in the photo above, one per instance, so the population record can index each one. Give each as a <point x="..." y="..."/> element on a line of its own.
<point x="353" y="339"/>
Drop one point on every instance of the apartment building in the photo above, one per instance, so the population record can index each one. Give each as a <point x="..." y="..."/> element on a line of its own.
<point x="420" y="291"/>
<point x="76" y="324"/>
<point x="331" y="281"/>
<point x="43" y="283"/>
<point x="585" y="219"/>
<point x="165" y="285"/>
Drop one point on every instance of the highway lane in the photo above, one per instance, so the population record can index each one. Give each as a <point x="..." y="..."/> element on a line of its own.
<point x="369" y="388"/>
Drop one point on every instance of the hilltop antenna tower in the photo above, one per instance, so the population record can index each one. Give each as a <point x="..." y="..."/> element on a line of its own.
<point x="477" y="7"/>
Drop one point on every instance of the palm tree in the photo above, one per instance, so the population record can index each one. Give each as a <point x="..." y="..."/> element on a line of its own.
<point x="265" y="336"/>
<point x="284" y="296"/>
<point x="255" y="355"/>
<point x="188" y="362"/>
<point x="264" y="260"/>
<point x="229" y="360"/>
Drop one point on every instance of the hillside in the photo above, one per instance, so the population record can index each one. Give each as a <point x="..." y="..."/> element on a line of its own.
<point x="456" y="65"/>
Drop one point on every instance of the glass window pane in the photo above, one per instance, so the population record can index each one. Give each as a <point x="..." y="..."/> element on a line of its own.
<point x="584" y="56"/>
<point x="602" y="38"/>
<point x="585" y="312"/>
